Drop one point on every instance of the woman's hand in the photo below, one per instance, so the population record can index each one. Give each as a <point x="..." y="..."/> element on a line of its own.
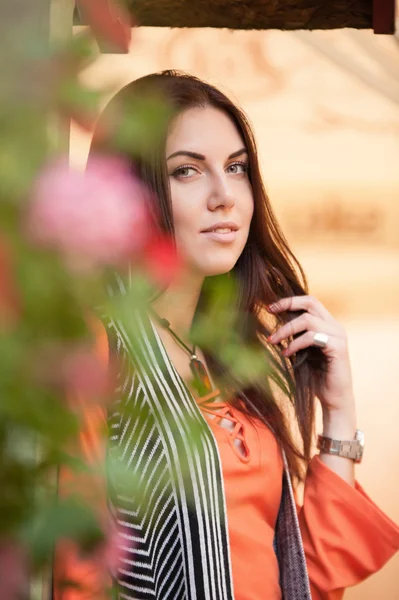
<point x="335" y="390"/>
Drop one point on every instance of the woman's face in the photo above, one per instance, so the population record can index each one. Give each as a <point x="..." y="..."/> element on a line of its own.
<point x="212" y="199"/>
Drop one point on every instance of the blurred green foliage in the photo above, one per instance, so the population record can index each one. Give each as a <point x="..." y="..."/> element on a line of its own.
<point x="40" y="92"/>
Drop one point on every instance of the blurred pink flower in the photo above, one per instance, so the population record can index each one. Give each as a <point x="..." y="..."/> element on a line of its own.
<point x="99" y="217"/>
<point x="88" y="575"/>
<point x="14" y="582"/>
<point x="111" y="554"/>
<point x="84" y="375"/>
<point x="9" y="297"/>
<point x="77" y="372"/>
<point x="109" y="20"/>
<point x="161" y="261"/>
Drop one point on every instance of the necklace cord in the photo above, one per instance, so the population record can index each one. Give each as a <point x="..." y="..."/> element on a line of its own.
<point x="201" y="380"/>
<point x="166" y="325"/>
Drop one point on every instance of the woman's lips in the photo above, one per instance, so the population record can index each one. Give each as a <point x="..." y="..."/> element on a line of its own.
<point x="222" y="236"/>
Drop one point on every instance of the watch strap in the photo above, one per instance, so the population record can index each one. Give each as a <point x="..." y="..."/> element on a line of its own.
<point x="352" y="449"/>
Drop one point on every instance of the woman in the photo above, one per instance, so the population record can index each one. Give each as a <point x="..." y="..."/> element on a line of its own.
<point x="217" y="517"/>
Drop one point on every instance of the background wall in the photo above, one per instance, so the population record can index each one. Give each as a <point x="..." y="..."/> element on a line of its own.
<point x="325" y="108"/>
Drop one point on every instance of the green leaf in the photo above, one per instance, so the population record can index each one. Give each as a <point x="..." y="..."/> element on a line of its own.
<point x="67" y="519"/>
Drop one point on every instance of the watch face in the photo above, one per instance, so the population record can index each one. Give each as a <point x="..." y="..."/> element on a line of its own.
<point x="360" y="437"/>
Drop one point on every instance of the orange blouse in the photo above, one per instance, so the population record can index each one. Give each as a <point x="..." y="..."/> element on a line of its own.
<point x="346" y="536"/>
<point x="253" y="486"/>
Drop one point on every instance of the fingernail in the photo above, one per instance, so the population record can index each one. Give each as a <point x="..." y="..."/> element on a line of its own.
<point x="271" y="307"/>
<point x="270" y="338"/>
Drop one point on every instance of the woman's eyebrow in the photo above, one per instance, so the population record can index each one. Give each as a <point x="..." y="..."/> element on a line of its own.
<point x="197" y="156"/>
<point x="187" y="153"/>
<point x="238" y="153"/>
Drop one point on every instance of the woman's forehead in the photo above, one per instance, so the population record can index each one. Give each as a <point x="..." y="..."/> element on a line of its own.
<point x="205" y="130"/>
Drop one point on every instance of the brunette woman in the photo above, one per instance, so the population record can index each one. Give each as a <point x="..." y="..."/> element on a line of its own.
<point x="227" y="525"/>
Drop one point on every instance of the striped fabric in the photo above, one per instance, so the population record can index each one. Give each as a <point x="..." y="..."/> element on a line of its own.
<point x="165" y="483"/>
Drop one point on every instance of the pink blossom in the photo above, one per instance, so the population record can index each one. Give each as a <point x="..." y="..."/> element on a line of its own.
<point x="13" y="570"/>
<point x="99" y="217"/>
<point x="78" y="372"/>
<point x="111" y="554"/>
<point x="84" y="375"/>
<point x="109" y="20"/>
<point x="90" y="572"/>
<point x="161" y="261"/>
<point x="9" y="297"/>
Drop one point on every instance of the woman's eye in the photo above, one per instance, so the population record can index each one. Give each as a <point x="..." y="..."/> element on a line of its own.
<point x="184" y="172"/>
<point x="237" y="168"/>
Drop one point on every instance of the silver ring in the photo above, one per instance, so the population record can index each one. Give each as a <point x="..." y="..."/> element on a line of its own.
<point x="320" y="340"/>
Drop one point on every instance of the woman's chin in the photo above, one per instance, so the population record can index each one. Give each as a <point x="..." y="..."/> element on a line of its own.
<point x="220" y="268"/>
<point x="210" y="266"/>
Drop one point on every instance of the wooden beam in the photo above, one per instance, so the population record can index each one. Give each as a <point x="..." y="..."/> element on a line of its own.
<point x="249" y="14"/>
<point x="378" y="15"/>
<point x="384" y="16"/>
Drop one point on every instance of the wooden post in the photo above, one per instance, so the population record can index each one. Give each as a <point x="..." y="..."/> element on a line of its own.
<point x="41" y="22"/>
<point x="384" y="16"/>
<point x="60" y="31"/>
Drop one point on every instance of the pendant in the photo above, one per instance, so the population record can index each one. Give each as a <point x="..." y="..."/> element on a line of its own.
<point x="201" y="382"/>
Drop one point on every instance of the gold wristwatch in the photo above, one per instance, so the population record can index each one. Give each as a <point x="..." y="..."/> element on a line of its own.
<point x="347" y="448"/>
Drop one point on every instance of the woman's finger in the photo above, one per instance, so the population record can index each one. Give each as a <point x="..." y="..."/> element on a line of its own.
<point x="335" y="344"/>
<point x="308" y="303"/>
<point x="303" y="323"/>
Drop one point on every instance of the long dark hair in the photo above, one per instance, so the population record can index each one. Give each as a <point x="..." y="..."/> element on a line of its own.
<point x="266" y="271"/>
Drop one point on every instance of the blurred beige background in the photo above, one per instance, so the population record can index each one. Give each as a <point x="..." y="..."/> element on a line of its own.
<point x="325" y="108"/>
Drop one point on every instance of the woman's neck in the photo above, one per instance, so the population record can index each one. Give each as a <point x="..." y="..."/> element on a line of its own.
<point x="178" y="304"/>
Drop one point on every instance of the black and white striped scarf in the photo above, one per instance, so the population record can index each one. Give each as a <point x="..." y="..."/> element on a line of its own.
<point x="174" y="530"/>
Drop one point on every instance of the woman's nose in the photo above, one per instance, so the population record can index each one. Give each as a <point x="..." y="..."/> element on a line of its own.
<point x="221" y="194"/>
